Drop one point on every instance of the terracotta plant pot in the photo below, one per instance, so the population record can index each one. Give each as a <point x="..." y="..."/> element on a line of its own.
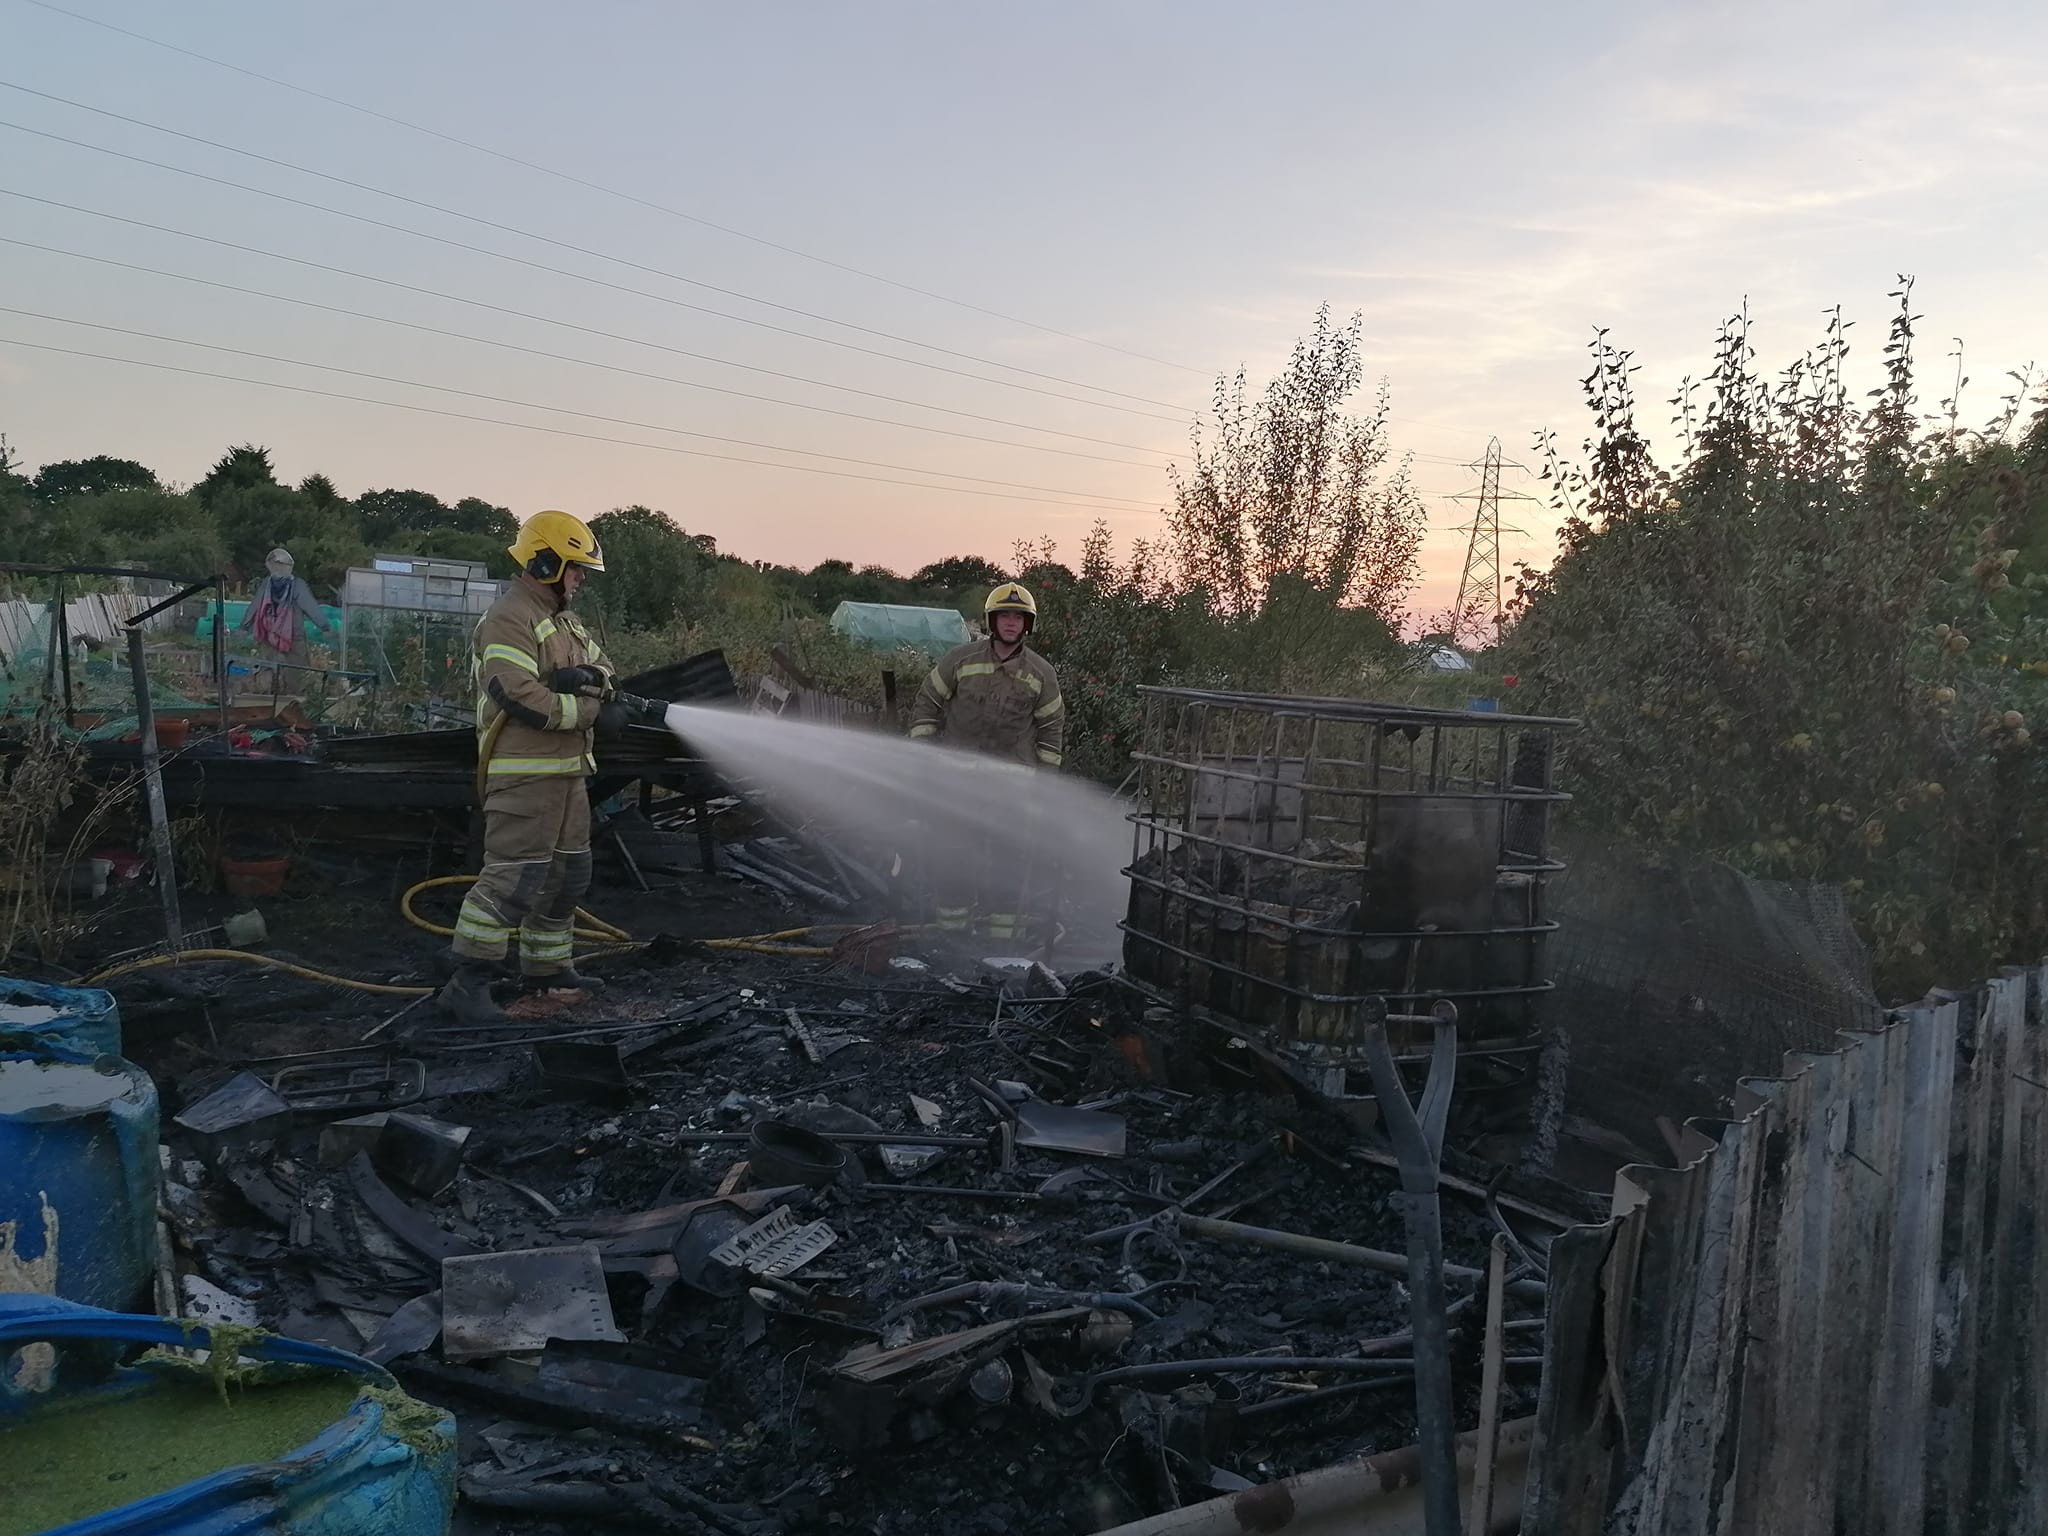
<point x="254" y="877"/>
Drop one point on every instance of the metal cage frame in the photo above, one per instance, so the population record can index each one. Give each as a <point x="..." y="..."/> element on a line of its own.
<point x="1279" y="842"/>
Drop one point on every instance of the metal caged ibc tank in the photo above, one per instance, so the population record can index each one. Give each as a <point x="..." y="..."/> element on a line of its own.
<point x="1295" y="856"/>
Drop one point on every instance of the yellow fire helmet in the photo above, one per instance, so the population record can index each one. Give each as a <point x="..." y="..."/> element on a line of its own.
<point x="1011" y="598"/>
<point x="549" y="541"/>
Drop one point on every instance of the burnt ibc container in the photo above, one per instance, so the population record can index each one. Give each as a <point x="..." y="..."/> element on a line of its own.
<point x="1295" y="856"/>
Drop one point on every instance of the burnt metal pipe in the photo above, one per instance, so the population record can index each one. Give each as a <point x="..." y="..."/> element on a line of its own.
<point x="850" y="1138"/>
<point x="996" y="1292"/>
<point x="1158" y="1370"/>
<point x="1312" y="1248"/>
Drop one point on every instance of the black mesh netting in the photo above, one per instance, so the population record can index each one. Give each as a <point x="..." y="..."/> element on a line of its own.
<point x="1676" y="976"/>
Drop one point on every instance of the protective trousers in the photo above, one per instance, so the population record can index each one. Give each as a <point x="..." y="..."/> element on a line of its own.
<point x="995" y="881"/>
<point x="536" y="870"/>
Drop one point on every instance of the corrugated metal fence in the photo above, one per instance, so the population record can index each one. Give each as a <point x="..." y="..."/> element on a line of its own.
<point x="100" y="617"/>
<point x="1834" y="1319"/>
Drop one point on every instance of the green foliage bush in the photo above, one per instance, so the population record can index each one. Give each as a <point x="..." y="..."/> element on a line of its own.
<point x="1812" y="647"/>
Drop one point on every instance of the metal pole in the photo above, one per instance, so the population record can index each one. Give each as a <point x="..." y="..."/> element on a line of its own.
<point x="153" y="784"/>
<point x="60" y="635"/>
<point x="220" y="647"/>
<point x="1418" y="1143"/>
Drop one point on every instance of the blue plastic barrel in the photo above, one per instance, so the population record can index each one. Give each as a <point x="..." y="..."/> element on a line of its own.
<point x="78" y="1176"/>
<point x="75" y="1018"/>
<point x="386" y="1468"/>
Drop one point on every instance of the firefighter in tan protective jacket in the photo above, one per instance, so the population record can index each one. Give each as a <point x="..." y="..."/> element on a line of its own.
<point x="544" y="689"/>
<point x="997" y="695"/>
<point x="998" y="698"/>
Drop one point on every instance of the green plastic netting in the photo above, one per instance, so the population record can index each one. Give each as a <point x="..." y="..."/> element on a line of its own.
<point x="101" y="684"/>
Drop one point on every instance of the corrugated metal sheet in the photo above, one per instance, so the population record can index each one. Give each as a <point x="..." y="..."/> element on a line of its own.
<point x="100" y="617"/>
<point x="1833" y="1321"/>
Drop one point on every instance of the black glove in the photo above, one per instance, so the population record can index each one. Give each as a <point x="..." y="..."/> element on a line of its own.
<point x="575" y="679"/>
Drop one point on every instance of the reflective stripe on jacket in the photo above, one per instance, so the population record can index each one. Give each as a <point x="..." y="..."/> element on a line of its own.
<point x="1009" y="709"/>
<point x="517" y="647"/>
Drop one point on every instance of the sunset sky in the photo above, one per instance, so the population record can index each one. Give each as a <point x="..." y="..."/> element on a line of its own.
<point x="1103" y="205"/>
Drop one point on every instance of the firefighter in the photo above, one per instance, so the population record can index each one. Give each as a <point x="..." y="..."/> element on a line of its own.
<point x="542" y="687"/>
<point x="999" y="698"/>
<point x="997" y="695"/>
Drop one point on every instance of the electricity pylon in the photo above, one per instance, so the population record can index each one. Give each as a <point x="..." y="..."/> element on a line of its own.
<point x="1477" y="616"/>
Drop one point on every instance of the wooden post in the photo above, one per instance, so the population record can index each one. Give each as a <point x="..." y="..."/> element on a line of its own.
<point x="889" y="699"/>
<point x="1479" y="1518"/>
<point x="153" y="785"/>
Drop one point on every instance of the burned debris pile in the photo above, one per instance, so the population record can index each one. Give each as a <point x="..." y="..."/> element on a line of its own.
<point x="769" y="1245"/>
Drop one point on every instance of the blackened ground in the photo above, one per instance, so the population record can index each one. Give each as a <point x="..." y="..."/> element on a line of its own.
<point x="770" y="1450"/>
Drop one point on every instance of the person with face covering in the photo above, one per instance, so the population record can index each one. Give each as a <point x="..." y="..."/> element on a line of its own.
<point x="282" y="602"/>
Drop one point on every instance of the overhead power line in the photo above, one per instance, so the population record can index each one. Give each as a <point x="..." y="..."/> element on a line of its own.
<point x="1135" y="503"/>
<point x="564" y="245"/>
<point x="586" y="362"/>
<point x="609" y="191"/>
<point x="570" y="325"/>
<point x="525" y="426"/>
<point x="580" y="277"/>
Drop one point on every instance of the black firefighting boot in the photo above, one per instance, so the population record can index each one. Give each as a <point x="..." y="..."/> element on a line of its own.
<point x="467" y="996"/>
<point x="568" y="979"/>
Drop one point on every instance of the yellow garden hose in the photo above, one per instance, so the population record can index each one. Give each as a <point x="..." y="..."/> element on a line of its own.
<point x="589" y="930"/>
<point x="264" y="960"/>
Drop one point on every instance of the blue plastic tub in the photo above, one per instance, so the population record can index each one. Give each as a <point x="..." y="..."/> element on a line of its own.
<point x="387" y="1468"/>
<point x="78" y="1176"/>
<point x="86" y="1018"/>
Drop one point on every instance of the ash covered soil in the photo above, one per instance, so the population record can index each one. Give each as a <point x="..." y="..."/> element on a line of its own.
<point x="736" y="1413"/>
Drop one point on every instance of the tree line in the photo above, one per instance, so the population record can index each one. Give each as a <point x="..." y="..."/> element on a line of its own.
<point x="1814" y="644"/>
<point x="1286" y="558"/>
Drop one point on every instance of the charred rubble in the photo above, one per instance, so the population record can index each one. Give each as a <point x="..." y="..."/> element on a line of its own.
<point x="886" y="1240"/>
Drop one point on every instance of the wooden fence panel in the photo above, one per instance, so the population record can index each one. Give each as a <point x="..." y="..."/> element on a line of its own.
<point x="1837" y="1318"/>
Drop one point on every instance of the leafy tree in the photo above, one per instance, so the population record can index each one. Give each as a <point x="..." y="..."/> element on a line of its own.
<point x="254" y="519"/>
<point x="957" y="573"/>
<point x="319" y="492"/>
<point x="90" y="477"/>
<point x="654" y="570"/>
<point x="24" y="526"/>
<point x="1291" y="520"/>
<point x="832" y="582"/>
<point x="474" y="515"/>
<point x="1810" y="648"/>
<point x="385" y="515"/>
<point x="155" y="529"/>
<point x="239" y="469"/>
